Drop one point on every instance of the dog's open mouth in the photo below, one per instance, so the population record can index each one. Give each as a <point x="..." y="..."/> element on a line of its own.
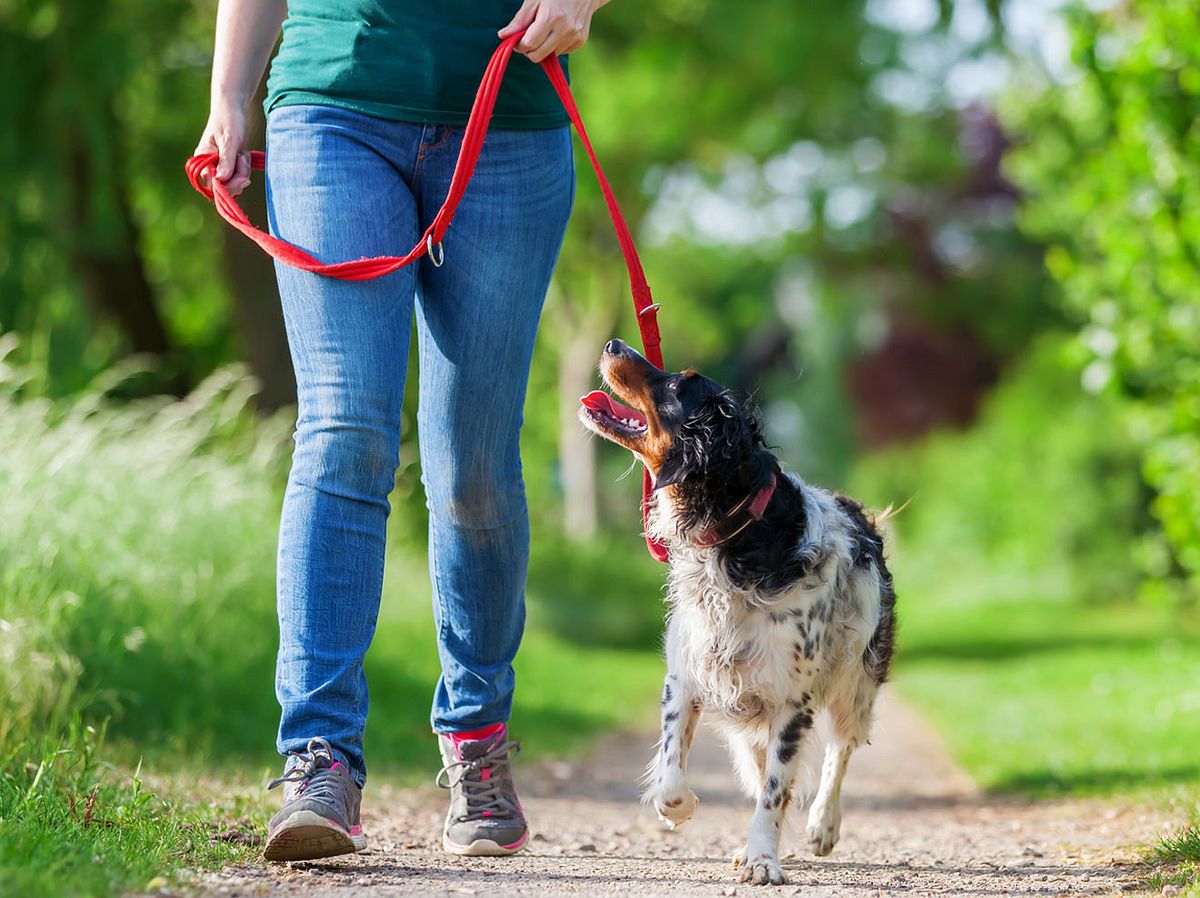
<point x="609" y="413"/>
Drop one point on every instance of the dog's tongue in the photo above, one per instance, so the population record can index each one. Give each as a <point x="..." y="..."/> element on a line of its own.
<point x="599" y="401"/>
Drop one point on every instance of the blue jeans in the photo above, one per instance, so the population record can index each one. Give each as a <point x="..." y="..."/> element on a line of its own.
<point x="343" y="185"/>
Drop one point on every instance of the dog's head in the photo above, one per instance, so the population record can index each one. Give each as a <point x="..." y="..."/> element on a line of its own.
<point x="692" y="434"/>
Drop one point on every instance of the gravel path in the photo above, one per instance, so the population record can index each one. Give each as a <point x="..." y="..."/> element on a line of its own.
<point x="914" y="824"/>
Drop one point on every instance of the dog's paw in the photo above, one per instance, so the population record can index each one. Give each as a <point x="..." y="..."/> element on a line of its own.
<point x="824" y="828"/>
<point x="761" y="870"/>
<point x="675" y="808"/>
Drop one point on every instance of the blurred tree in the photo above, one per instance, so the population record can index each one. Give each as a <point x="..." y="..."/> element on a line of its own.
<point x="104" y="252"/>
<point x="1112" y="168"/>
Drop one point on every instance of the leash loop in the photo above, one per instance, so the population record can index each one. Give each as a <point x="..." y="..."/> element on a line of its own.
<point x="472" y="144"/>
<point x="440" y="258"/>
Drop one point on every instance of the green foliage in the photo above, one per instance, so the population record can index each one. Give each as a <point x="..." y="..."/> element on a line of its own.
<point x="126" y="528"/>
<point x="71" y="826"/>
<point x="609" y="594"/>
<point x="1175" y="860"/>
<point x="1046" y="696"/>
<point x="105" y="102"/>
<point x="1041" y="497"/>
<point x="1014" y="566"/>
<point x="1114" y="184"/>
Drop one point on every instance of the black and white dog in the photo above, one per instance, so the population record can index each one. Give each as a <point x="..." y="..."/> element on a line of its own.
<point x="781" y="605"/>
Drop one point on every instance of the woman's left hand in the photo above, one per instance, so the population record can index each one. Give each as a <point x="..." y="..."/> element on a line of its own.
<point x="553" y="26"/>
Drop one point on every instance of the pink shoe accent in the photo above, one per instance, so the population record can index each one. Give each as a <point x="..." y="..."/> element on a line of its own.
<point x="457" y="739"/>
<point x="517" y="844"/>
<point x="475" y="735"/>
<point x="356" y="830"/>
<point x="337" y="764"/>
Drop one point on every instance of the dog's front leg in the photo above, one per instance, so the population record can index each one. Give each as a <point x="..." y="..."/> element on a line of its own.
<point x="760" y="863"/>
<point x="667" y="783"/>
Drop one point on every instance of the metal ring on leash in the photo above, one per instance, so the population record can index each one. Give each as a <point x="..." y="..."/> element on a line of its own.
<point x="653" y="307"/>
<point x="440" y="257"/>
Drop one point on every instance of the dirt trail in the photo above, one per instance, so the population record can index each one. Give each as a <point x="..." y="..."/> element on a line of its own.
<point x="913" y="824"/>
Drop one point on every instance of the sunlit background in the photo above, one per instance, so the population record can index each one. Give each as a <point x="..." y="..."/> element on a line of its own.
<point x="951" y="247"/>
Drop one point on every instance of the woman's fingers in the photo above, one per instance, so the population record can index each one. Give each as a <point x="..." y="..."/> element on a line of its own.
<point x="558" y="27"/>
<point x="205" y="146"/>
<point x="240" y="179"/>
<point x="233" y="162"/>
<point x="522" y="19"/>
<point x="228" y="148"/>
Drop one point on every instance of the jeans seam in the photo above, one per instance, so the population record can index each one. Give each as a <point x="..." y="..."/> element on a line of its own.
<point x="436" y="578"/>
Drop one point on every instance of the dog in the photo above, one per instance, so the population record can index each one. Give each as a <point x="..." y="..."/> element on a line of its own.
<point x="780" y="602"/>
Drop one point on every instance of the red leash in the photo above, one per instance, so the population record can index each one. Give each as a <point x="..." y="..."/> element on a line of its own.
<point x="472" y="144"/>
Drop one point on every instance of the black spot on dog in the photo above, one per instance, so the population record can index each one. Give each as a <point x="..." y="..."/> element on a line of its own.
<point x="866" y="550"/>
<point x="666" y="693"/>
<point x="877" y="658"/>
<point x="866" y="545"/>
<point x="789" y="739"/>
<point x="670" y="717"/>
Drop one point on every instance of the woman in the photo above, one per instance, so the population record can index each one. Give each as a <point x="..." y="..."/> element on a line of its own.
<point x="365" y="107"/>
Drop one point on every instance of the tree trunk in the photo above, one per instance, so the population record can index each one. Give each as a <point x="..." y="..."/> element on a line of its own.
<point x="583" y="333"/>
<point x="105" y="251"/>
<point x="255" y="294"/>
<point x="114" y="279"/>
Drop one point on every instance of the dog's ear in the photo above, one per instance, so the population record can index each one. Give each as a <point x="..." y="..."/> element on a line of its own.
<point x="674" y="466"/>
<point x="716" y="432"/>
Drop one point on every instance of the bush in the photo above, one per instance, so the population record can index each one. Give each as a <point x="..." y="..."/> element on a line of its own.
<point x="136" y="562"/>
<point x="1041" y="498"/>
<point x="1113" y="184"/>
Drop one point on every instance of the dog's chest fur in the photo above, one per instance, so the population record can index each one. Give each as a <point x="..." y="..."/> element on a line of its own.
<point x="747" y="654"/>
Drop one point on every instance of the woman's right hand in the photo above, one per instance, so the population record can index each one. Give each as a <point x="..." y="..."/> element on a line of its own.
<point x="225" y="135"/>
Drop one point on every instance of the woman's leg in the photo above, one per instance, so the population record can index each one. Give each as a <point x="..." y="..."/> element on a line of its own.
<point x="338" y="187"/>
<point x="476" y="321"/>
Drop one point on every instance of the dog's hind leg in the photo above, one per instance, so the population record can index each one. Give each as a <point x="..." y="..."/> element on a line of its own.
<point x="667" y="783"/>
<point x="851" y="714"/>
<point x="760" y="863"/>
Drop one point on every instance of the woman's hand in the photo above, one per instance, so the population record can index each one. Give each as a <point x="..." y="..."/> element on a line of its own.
<point x="246" y="32"/>
<point x="225" y="134"/>
<point x="554" y="26"/>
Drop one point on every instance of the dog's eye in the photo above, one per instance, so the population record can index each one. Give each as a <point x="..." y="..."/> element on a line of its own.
<point x="673" y="384"/>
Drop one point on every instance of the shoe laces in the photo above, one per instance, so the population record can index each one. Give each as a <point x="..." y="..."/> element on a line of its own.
<point x="485" y="798"/>
<point x="314" y="772"/>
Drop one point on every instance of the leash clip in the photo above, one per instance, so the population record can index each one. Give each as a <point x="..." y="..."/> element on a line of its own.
<point x="653" y="307"/>
<point x="441" y="253"/>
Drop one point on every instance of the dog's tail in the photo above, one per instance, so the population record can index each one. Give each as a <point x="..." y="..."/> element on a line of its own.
<point x="879" y="519"/>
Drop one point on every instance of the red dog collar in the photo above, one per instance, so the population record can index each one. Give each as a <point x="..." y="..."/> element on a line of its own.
<point x="738" y="518"/>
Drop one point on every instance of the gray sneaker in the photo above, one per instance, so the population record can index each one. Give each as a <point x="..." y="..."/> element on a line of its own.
<point x="485" y="815"/>
<point x="320" y="813"/>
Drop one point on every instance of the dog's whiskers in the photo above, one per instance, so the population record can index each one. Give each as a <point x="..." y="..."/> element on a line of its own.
<point x="633" y="465"/>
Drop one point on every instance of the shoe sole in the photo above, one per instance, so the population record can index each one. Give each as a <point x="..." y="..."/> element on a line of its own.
<point x="483" y="847"/>
<point x="307" y="836"/>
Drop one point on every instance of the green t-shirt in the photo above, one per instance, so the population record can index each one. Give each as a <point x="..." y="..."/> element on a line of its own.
<point x="407" y="61"/>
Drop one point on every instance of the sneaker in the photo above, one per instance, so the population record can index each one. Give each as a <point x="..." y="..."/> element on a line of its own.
<point x="320" y="813"/>
<point x="485" y="815"/>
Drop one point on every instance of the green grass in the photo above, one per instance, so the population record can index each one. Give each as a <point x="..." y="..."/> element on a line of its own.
<point x="1049" y="697"/>
<point x="72" y="824"/>
<point x="1175" y="860"/>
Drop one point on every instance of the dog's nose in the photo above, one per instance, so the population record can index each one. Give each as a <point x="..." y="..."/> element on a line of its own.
<point x="614" y="347"/>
